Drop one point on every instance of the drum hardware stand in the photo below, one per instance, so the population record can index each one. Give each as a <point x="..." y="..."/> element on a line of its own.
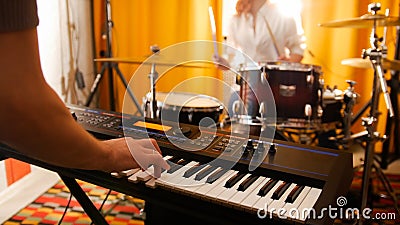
<point x="153" y="75"/>
<point x="375" y="54"/>
<point x="109" y="66"/>
<point x="393" y="122"/>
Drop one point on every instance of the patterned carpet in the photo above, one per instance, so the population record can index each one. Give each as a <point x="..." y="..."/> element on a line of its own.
<point x="49" y="208"/>
<point x="124" y="210"/>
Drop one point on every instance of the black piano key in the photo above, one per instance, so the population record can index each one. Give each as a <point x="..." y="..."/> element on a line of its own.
<point x="280" y="190"/>
<point x="294" y="193"/>
<point x="234" y="179"/>
<point x="216" y="175"/>
<point x="246" y="183"/>
<point x="177" y="165"/>
<point x="205" y="172"/>
<point x="194" y="169"/>
<point x="267" y="187"/>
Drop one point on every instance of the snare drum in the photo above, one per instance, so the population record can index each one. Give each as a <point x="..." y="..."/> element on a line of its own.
<point x="296" y="89"/>
<point x="184" y="107"/>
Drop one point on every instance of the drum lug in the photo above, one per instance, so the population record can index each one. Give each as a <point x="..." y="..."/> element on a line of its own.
<point x="310" y="79"/>
<point x="190" y="115"/>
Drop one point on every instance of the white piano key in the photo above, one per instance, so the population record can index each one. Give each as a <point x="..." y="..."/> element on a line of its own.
<point x="179" y="176"/>
<point x="295" y="205"/>
<point x="134" y="177"/>
<point x="168" y="179"/>
<point x="279" y="203"/>
<point x="308" y="203"/>
<point x="127" y="173"/>
<point x="204" y="189"/>
<point x="265" y="201"/>
<point x="241" y="195"/>
<point x="146" y="175"/>
<point x="190" y="181"/>
<point x="190" y="185"/>
<point x="229" y="192"/>
<point x="253" y="197"/>
<point x="217" y="188"/>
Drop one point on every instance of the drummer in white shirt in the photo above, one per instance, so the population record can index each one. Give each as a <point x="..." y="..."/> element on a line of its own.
<point x="261" y="32"/>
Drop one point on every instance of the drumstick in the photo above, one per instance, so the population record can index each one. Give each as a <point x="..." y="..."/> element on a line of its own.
<point x="213" y="29"/>
<point x="272" y="37"/>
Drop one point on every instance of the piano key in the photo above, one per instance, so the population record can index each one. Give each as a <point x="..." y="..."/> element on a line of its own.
<point x="245" y="184"/>
<point x="294" y="193"/>
<point x="179" y="175"/>
<point x="267" y="187"/>
<point x="254" y="196"/>
<point x="280" y="190"/>
<point x="219" y="188"/>
<point x="295" y="205"/>
<point x="278" y="204"/>
<point x="145" y="175"/>
<point x="229" y="192"/>
<point x="234" y="179"/>
<point x="241" y="195"/>
<point x="168" y="179"/>
<point x="216" y="175"/>
<point x="127" y="173"/>
<point x="308" y="203"/>
<point x="178" y="165"/>
<point x="265" y="201"/>
<point x="190" y="185"/>
<point x="204" y="189"/>
<point x="133" y="178"/>
<point x="205" y="172"/>
<point x="194" y="170"/>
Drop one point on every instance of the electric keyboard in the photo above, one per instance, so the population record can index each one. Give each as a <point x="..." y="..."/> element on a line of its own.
<point x="292" y="183"/>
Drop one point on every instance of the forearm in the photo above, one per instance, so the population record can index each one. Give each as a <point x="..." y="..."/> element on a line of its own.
<point x="33" y="119"/>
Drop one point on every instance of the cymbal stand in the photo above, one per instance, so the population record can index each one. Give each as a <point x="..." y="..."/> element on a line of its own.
<point x="109" y="66"/>
<point x="375" y="54"/>
<point x="153" y="75"/>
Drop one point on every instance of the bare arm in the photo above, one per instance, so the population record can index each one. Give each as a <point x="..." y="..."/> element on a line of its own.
<point x="35" y="121"/>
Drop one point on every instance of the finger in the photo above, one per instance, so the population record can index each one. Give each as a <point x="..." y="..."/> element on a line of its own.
<point x="157" y="159"/>
<point x="157" y="171"/>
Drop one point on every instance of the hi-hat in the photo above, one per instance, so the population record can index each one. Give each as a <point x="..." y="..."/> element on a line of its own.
<point x="150" y="60"/>
<point x="365" y="21"/>
<point x="367" y="64"/>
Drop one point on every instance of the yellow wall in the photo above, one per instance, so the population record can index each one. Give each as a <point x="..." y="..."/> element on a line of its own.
<point x="139" y="24"/>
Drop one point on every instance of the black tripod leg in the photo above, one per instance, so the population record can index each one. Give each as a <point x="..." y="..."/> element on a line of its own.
<point x="392" y="124"/>
<point x="121" y="76"/>
<point x="388" y="187"/>
<point x="95" y="85"/>
<point x="83" y="200"/>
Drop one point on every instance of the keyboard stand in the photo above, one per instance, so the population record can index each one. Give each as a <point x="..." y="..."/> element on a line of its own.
<point x="83" y="200"/>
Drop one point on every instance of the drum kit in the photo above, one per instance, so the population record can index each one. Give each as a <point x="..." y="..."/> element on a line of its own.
<point x="304" y="104"/>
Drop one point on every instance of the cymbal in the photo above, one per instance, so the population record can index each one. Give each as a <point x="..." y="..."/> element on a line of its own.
<point x="365" y="21"/>
<point x="366" y="63"/>
<point x="150" y="60"/>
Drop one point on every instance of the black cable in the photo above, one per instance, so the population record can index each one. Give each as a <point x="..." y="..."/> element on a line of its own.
<point x="104" y="201"/>
<point x="65" y="210"/>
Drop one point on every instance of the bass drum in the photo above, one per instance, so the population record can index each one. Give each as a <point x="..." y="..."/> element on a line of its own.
<point x="186" y="108"/>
